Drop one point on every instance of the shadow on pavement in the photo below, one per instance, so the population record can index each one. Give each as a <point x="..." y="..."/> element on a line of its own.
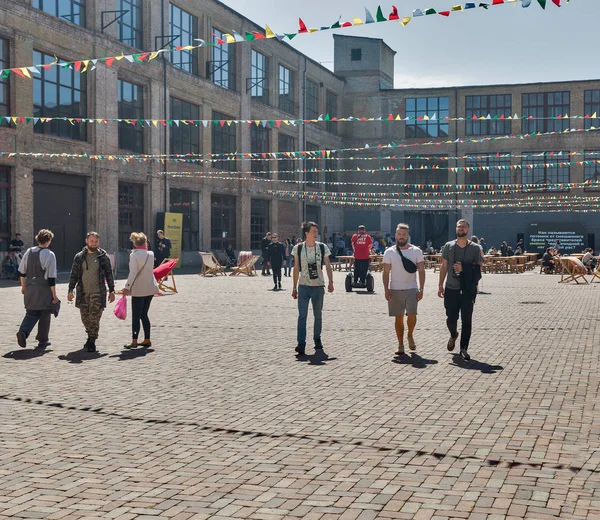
<point x="319" y="358"/>
<point x="79" y="356"/>
<point x="473" y="364"/>
<point x="128" y="355"/>
<point x="26" y="354"/>
<point x="414" y="360"/>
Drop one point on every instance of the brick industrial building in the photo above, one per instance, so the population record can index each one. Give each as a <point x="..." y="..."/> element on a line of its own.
<point x="261" y="80"/>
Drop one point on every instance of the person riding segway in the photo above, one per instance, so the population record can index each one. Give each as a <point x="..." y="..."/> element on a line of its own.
<point x="361" y="245"/>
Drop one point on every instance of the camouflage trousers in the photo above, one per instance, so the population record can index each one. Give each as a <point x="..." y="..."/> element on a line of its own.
<point x="91" y="312"/>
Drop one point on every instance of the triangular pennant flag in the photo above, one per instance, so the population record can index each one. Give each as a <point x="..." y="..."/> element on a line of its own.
<point x="268" y="32"/>
<point x="394" y="14"/>
<point x="556" y="2"/>
<point x="303" y="28"/>
<point x="457" y="8"/>
<point x="405" y="20"/>
<point x="444" y="13"/>
<point x="358" y="21"/>
<point x="542" y="3"/>
<point x="368" y="16"/>
<point x="417" y="12"/>
<point x="380" y="17"/>
<point x="431" y="10"/>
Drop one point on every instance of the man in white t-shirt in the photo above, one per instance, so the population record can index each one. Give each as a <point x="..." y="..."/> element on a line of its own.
<point x="400" y="266"/>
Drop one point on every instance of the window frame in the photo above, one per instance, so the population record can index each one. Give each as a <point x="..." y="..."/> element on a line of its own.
<point x="542" y="161"/>
<point x="413" y="109"/>
<point x="133" y="21"/>
<point x="331" y="108"/>
<point x="587" y="169"/>
<point x="135" y="207"/>
<point x="4" y="82"/>
<point x="135" y="133"/>
<point x="488" y="176"/>
<point x="591" y="102"/>
<point x="356" y="54"/>
<point x="223" y="203"/>
<point x="62" y="79"/>
<point x="489" y="104"/>
<point x="544" y="107"/>
<point x="286" y="80"/>
<point x="70" y="17"/>
<point x="286" y="169"/>
<point x="188" y="135"/>
<point x="312" y="163"/>
<point x="259" y="85"/>
<point x="259" y="229"/>
<point x="311" y="110"/>
<point x="225" y="76"/>
<point x="427" y="176"/>
<point x="186" y="61"/>
<point x="227" y="135"/>
<point x="188" y="201"/>
<point x="259" y="144"/>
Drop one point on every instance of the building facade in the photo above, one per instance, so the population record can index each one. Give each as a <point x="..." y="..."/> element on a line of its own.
<point x="263" y="80"/>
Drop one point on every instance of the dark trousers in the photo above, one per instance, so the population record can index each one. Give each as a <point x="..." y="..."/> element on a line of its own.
<point x="39" y="318"/>
<point x="265" y="263"/>
<point x="140" y="305"/>
<point x="461" y="303"/>
<point x="361" y="268"/>
<point x="276" y="274"/>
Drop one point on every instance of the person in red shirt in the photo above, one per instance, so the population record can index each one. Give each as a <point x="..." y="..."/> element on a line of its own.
<point x="361" y="245"/>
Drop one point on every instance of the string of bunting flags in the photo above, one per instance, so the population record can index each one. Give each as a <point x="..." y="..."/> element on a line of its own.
<point x="90" y="64"/>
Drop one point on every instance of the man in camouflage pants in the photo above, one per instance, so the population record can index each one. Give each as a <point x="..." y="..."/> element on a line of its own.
<point x="90" y="274"/>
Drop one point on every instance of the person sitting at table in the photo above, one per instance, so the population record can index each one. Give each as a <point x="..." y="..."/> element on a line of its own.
<point x="504" y="249"/>
<point x="431" y="251"/>
<point x="518" y="251"/>
<point x="589" y="260"/>
<point x="492" y="251"/>
<point x="520" y="245"/>
<point x="548" y="261"/>
<point x="509" y="251"/>
<point x="231" y="255"/>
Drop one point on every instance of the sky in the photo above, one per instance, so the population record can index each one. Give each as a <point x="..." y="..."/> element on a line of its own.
<point x="504" y="44"/>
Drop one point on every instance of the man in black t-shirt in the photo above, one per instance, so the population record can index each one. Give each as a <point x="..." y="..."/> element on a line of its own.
<point x="276" y="255"/>
<point x="17" y="245"/>
<point x="266" y="242"/>
<point x="163" y="248"/>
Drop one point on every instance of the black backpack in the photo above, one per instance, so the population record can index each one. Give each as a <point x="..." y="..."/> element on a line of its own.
<point x="321" y="246"/>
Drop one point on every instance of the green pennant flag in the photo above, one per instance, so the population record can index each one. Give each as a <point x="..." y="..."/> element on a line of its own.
<point x="542" y="3"/>
<point x="380" y="17"/>
<point x="5" y="74"/>
<point x="327" y="118"/>
<point x="485" y="6"/>
<point x="250" y="37"/>
<point x="431" y="11"/>
<point x="136" y="57"/>
<point x="336" y="25"/>
<point x="271" y="123"/>
<point x="291" y="36"/>
<point x="28" y="120"/>
<point x="169" y="122"/>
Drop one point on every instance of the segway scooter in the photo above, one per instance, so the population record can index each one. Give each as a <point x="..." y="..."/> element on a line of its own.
<point x="369" y="285"/>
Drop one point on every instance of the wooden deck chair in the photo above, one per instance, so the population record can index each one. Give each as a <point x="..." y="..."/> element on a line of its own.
<point x="248" y="267"/>
<point x="164" y="272"/>
<point x="573" y="270"/>
<point x="210" y="265"/>
<point x="596" y="273"/>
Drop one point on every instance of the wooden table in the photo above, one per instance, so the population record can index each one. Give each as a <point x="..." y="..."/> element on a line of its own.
<point x="345" y="262"/>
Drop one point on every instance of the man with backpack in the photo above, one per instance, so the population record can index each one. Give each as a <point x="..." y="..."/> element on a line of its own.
<point x="402" y="262"/>
<point x="309" y="283"/>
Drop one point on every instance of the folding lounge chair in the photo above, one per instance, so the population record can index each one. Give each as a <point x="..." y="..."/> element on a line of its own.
<point x="210" y="265"/>
<point x="573" y="270"/>
<point x="162" y="274"/>
<point x="248" y="267"/>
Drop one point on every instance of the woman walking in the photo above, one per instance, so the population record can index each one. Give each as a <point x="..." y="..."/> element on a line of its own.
<point x="287" y="270"/>
<point x="37" y="271"/>
<point x="142" y="286"/>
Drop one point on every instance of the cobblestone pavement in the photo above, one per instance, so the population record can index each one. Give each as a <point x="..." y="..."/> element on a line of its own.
<point x="220" y="420"/>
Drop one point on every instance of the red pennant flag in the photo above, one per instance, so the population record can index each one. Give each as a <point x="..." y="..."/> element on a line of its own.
<point x="556" y="2"/>
<point x="77" y="66"/>
<point x="394" y="15"/>
<point x="497" y="2"/>
<point x="47" y="67"/>
<point x="18" y="72"/>
<point x="278" y="123"/>
<point x="347" y="24"/>
<point x="222" y="123"/>
<point x="444" y="13"/>
<point x="258" y="36"/>
<point x="109" y="61"/>
<point x="303" y="28"/>
<point x="390" y="117"/>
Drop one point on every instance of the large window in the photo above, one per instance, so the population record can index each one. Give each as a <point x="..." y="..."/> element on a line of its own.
<point x="223" y="221"/>
<point x="71" y="10"/>
<point x="224" y="140"/>
<point x="286" y="166"/>
<point x="4" y="82"/>
<point x="592" y="168"/>
<point x="222" y="67"/>
<point x="549" y="168"/>
<point x="488" y="170"/>
<point x="331" y="107"/>
<point x="331" y="176"/>
<point x="259" y="222"/>
<point x="185" y="137"/>
<point x="129" y="25"/>
<point x="131" y="212"/>
<point x="286" y="90"/>
<point x="183" y="29"/>
<point x="311" y="164"/>
<point x="429" y="117"/>
<point x="59" y="92"/>
<point x="259" y="144"/>
<point x="542" y="106"/>
<point x="592" y="106"/>
<point x="494" y="106"/>
<point x="4" y="208"/>
<point x="131" y="106"/>
<point x="435" y="171"/>
<point x="188" y="204"/>
<point x="312" y="100"/>
<point x="259" y="77"/>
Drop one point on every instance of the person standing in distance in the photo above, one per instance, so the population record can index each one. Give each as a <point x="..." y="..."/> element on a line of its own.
<point x="309" y="282"/>
<point x="402" y="262"/>
<point x="361" y="245"/>
<point x="91" y="272"/>
<point x="264" y="246"/>
<point x="163" y="248"/>
<point x="37" y="272"/>
<point x="461" y="268"/>
<point x="276" y="255"/>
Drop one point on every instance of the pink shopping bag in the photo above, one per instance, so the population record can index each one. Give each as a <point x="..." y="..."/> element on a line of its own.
<point x="121" y="308"/>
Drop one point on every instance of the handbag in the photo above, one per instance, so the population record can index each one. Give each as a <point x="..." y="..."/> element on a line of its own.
<point x="409" y="267"/>
<point x="121" y="308"/>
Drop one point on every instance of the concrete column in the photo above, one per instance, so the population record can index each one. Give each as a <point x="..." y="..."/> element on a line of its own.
<point x="243" y="223"/>
<point x="386" y="221"/>
<point x="205" y="215"/>
<point x="94" y="16"/>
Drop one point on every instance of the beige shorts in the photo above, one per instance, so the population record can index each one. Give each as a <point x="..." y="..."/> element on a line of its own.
<point x="403" y="302"/>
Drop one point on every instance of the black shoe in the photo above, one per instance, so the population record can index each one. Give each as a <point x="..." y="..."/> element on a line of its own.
<point x="91" y="345"/>
<point x="279" y="289"/>
<point x="300" y="350"/>
<point x="464" y="354"/>
<point x="43" y="345"/>
<point x="21" y="340"/>
<point x="275" y="287"/>
<point x="452" y="343"/>
<point x="318" y="344"/>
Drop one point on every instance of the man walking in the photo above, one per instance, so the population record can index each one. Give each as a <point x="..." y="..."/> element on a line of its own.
<point x="266" y="242"/>
<point x="163" y="248"/>
<point x="309" y="283"/>
<point x="276" y="256"/>
<point x="361" y="245"/>
<point x="402" y="262"/>
<point x="90" y="274"/>
<point x="461" y="268"/>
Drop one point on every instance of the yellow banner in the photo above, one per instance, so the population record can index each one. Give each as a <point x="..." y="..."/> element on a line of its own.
<point x="174" y="232"/>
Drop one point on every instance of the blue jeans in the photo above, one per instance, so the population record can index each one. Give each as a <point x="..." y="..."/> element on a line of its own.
<point x="305" y="295"/>
<point x="39" y="318"/>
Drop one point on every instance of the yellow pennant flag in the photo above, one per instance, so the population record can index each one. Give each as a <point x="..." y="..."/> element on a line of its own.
<point x="26" y="72"/>
<point x="85" y="65"/>
<point x="405" y="21"/>
<point x="268" y="32"/>
<point x="358" y="21"/>
<point x="153" y="55"/>
<point x="457" y="8"/>
<point x="229" y="38"/>
<point x="595" y="115"/>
